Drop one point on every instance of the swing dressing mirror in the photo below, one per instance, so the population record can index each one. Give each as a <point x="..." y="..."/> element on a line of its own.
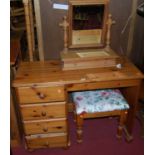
<point x="87" y="23"/>
<point x="87" y="36"/>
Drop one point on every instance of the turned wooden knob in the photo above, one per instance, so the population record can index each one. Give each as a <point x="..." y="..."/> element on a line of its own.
<point x="45" y="129"/>
<point x="59" y="90"/>
<point x="59" y="127"/>
<point x="43" y="113"/>
<point x="47" y="144"/>
<point x="41" y="95"/>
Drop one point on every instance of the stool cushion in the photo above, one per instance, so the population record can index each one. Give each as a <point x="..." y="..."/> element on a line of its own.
<point x="99" y="101"/>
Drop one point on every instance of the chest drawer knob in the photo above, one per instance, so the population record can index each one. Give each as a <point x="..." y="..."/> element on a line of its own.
<point x="41" y="95"/>
<point x="59" y="127"/>
<point x="46" y="144"/>
<point x="45" y="129"/>
<point x="59" y="91"/>
<point x="43" y="113"/>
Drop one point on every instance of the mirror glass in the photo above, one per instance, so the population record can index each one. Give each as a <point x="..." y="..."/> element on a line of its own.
<point x="87" y="24"/>
<point x="87" y="17"/>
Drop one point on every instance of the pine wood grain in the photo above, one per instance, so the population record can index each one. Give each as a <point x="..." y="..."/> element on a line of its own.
<point x="46" y="140"/>
<point x="45" y="126"/>
<point x="43" y="111"/>
<point x="50" y="74"/>
<point x="37" y="94"/>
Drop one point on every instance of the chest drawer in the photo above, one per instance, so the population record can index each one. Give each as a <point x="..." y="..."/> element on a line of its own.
<point x="46" y="140"/>
<point x="40" y="94"/>
<point x="45" y="126"/>
<point x="43" y="111"/>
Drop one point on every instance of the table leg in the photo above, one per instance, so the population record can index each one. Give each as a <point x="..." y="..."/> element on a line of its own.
<point x="131" y="94"/>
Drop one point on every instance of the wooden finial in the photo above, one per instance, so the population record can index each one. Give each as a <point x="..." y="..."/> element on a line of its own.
<point x="65" y="25"/>
<point x="109" y="23"/>
<point x="25" y="1"/>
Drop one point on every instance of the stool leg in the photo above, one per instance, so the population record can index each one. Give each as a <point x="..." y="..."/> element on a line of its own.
<point x="121" y="124"/>
<point x="79" y="121"/>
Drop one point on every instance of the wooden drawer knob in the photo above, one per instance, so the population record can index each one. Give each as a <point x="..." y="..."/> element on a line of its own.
<point x="43" y="113"/>
<point x="59" y="127"/>
<point x="47" y="144"/>
<point x="41" y="95"/>
<point x="59" y="90"/>
<point x="45" y="129"/>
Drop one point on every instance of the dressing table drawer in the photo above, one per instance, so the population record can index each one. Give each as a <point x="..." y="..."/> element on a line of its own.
<point x="46" y="140"/>
<point x="43" y="111"/>
<point x="45" y="126"/>
<point x="38" y="94"/>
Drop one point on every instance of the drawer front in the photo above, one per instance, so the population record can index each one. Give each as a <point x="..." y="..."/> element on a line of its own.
<point x="46" y="141"/>
<point x="43" y="111"/>
<point x="40" y="94"/>
<point x="45" y="126"/>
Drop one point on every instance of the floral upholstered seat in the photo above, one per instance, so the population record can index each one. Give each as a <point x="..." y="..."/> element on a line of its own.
<point x="99" y="101"/>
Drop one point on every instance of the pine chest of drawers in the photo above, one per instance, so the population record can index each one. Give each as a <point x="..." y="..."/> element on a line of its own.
<point x="43" y="113"/>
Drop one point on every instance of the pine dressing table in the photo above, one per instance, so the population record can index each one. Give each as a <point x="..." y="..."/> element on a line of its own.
<point x="42" y="89"/>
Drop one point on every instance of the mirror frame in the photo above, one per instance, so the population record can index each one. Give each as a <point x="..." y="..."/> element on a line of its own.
<point x="73" y="3"/>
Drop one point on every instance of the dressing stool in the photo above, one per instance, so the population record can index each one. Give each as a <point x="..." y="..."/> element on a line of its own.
<point x="99" y="103"/>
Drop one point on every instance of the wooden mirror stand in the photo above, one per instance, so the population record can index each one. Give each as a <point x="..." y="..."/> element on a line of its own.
<point x="87" y="32"/>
